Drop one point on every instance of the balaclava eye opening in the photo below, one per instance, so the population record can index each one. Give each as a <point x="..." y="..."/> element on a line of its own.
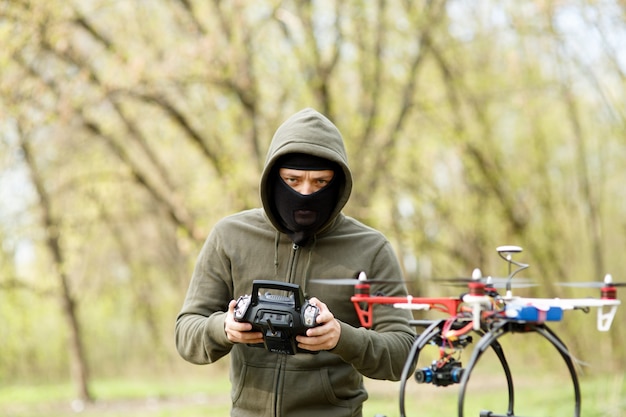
<point x="304" y="215"/>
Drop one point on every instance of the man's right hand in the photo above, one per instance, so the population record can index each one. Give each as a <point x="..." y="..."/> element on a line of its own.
<point x="239" y="332"/>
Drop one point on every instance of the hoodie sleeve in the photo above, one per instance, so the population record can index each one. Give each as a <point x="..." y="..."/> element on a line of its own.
<point x="200" y="335"/>
<point x="380" y="352"/>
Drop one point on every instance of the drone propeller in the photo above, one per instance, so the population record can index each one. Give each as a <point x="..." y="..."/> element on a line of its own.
<point x="355" y="281"/>
<point x="607" y="282"/>
<point x="496" y="282"/>
<point x="592" y="284"/>
<point x="360" y="280"/>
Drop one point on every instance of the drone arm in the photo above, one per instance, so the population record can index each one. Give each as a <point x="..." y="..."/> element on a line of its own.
<point x="364" y="303"/>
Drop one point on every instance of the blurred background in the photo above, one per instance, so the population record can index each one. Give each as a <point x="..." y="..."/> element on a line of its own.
<point x="128" y="128"/>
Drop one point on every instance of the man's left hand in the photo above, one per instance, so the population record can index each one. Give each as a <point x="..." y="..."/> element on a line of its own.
<point x="326" y="335"/>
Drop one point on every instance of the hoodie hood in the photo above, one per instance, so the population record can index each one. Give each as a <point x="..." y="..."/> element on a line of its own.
<point x="307" y="132"/>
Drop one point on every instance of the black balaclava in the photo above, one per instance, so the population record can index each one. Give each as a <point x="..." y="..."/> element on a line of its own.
<point x="303" y="215"/>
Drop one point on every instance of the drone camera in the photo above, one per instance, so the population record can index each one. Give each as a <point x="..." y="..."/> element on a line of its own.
<point x="439" y="374"/>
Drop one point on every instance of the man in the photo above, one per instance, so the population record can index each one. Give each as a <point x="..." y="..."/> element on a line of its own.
<point x="298" y="236"/>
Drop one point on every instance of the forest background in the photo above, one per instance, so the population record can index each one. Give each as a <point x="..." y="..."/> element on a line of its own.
<point x="128" y="128"/>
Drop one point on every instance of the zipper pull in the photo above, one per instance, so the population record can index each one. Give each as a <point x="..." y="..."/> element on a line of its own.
<point x="295" y="247"/>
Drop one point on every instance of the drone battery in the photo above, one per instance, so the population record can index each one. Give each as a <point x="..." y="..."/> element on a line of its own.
<point x="534" y="314"/>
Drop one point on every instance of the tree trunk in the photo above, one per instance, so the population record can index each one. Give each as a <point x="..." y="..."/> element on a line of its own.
<point x="51" y="227"/>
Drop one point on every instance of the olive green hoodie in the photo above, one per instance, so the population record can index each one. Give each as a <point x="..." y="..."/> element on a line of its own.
<point x="252" y="245"/>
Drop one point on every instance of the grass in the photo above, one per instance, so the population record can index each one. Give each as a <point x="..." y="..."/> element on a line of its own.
<point x="602" y="396"/>
<point x="208" y="394"/>
<point x="180" y="397"/>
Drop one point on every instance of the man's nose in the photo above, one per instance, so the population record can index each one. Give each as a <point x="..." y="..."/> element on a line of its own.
<point x="306" y="188"/>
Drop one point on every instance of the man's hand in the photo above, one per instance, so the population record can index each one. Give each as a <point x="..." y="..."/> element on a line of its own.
<point x="326" y="335"/>
<point x="239" y="332"/>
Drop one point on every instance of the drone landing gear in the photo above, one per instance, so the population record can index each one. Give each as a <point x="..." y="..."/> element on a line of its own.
<point x="488" y="339"/>
<point x="433" y="330"/>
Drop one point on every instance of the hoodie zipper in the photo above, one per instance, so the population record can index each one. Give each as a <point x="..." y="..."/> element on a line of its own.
<point x="281" y="363"/>
<point x="293" y="263"/>
<point x="277" y="390"/>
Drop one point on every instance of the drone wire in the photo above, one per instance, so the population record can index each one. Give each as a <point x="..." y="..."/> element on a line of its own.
<point x="450" y="335"/>
<point x="453" y="335"/>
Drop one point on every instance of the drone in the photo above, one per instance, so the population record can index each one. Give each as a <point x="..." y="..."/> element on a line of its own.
<point x="483" y="312"/>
